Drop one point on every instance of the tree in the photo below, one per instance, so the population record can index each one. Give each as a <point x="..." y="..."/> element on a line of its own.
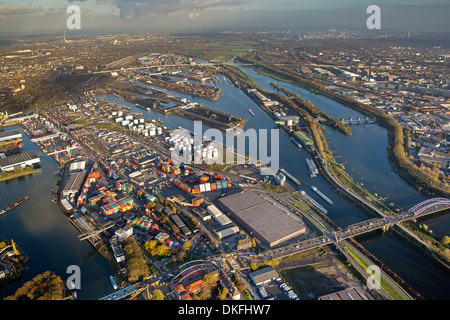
<point x="187" y="245"/>
<point x="150" y="245"/>
<point x="446" y="240"/>
<point x="239" y="284"/>
<point x="45" y="286"/>
<point x="210" y="279"/>
<point x="222" y="294"/>
<point x="136" y="263"/>
<point x="157" y="295"/>
<point x="181" y="255"/>
<point x="150" y="205"/>
<point x="160" y="251"/>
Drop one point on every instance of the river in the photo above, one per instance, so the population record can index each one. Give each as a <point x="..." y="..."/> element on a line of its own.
<point x="46" y="234"/>
<point x="365" y="157"/>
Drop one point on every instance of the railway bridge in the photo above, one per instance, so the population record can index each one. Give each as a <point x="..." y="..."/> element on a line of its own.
<point x="422" y="209"/>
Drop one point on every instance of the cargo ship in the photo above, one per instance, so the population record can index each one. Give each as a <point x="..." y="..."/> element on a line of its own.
<point x="113" y="282"/>
<point x="251" y="112"/>
<point x="324" y="197"/>
<point x="296" y="143"/>
<point x="313" y="202"/>
<point x="14" y="205"/>
<point x="313" y="172"/>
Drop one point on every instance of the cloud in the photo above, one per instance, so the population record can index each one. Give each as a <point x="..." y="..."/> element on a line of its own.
<point x="8" y="10"/>
<point x="130" y="9"/>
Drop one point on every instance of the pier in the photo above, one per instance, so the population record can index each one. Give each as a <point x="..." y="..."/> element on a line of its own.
<point x="291" y="177"/>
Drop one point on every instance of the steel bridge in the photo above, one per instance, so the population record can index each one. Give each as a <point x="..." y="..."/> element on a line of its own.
<point x="191" y="268"/>
<point x="123" y="293"/>
<point x="430" y="206"/>
<point x="424" y="208"/>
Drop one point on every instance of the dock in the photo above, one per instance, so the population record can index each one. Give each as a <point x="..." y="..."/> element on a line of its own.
<point x="290" y="177"/>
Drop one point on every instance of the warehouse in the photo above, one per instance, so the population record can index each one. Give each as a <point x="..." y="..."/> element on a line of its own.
<point x="180" y="224"/>
<point x="266" y="221"/>
<point x="218" y="215"/>
<point x="262" y="276"/>
<point x="77" y="166"/>
<point x="74" y="184"/>
<point x="10" y="135"/>
<point x="226" y="232"/>
<point x="18" y="160"/>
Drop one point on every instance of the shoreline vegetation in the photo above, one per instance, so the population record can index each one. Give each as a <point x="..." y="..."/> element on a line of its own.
<point x="408" y="171"/>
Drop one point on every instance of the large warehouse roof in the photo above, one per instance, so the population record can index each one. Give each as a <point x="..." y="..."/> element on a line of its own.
<point x="270" y="223"/>
<point x="9" y="135"/>
<point x="19" y="159"/>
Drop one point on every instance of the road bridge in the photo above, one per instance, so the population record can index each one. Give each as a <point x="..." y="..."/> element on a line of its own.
<point x="422" y="209"/>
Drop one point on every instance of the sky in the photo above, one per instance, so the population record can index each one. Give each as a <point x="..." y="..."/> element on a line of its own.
<point x="50" y="16"/>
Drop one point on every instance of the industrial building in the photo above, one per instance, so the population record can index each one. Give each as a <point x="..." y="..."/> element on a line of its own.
<point x="353" y="293"/>
<point x="123" y="233"/>
<point x="117" y="249"/>
<point x="74" y="183"/>
<point x="10" y="135"/>
<point x="18" y="160"/>
<point x="218" y="215"/>
<point x="262" y="276"/>
<point x="77" y="166"/>
<point x="266" y="221"/>
<point x="226" y="232"/>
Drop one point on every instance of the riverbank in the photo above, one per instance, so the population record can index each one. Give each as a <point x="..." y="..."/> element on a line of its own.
<point x="16" y="174"/>
<point x="354" y="196"/>
<point x="396" y="151"/>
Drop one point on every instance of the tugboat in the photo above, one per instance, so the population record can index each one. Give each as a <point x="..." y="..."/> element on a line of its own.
<point x="113" y="282"/>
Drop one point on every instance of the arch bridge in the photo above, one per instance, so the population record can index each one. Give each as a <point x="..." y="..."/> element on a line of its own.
<point x="429" y="206"/>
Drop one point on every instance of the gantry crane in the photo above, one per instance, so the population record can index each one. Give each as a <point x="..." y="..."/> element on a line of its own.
<point x="138" y="292"/>
<point x="13" y="245"/>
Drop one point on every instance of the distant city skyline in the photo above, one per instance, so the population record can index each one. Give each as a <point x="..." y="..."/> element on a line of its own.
<point x="49" y="16"/>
